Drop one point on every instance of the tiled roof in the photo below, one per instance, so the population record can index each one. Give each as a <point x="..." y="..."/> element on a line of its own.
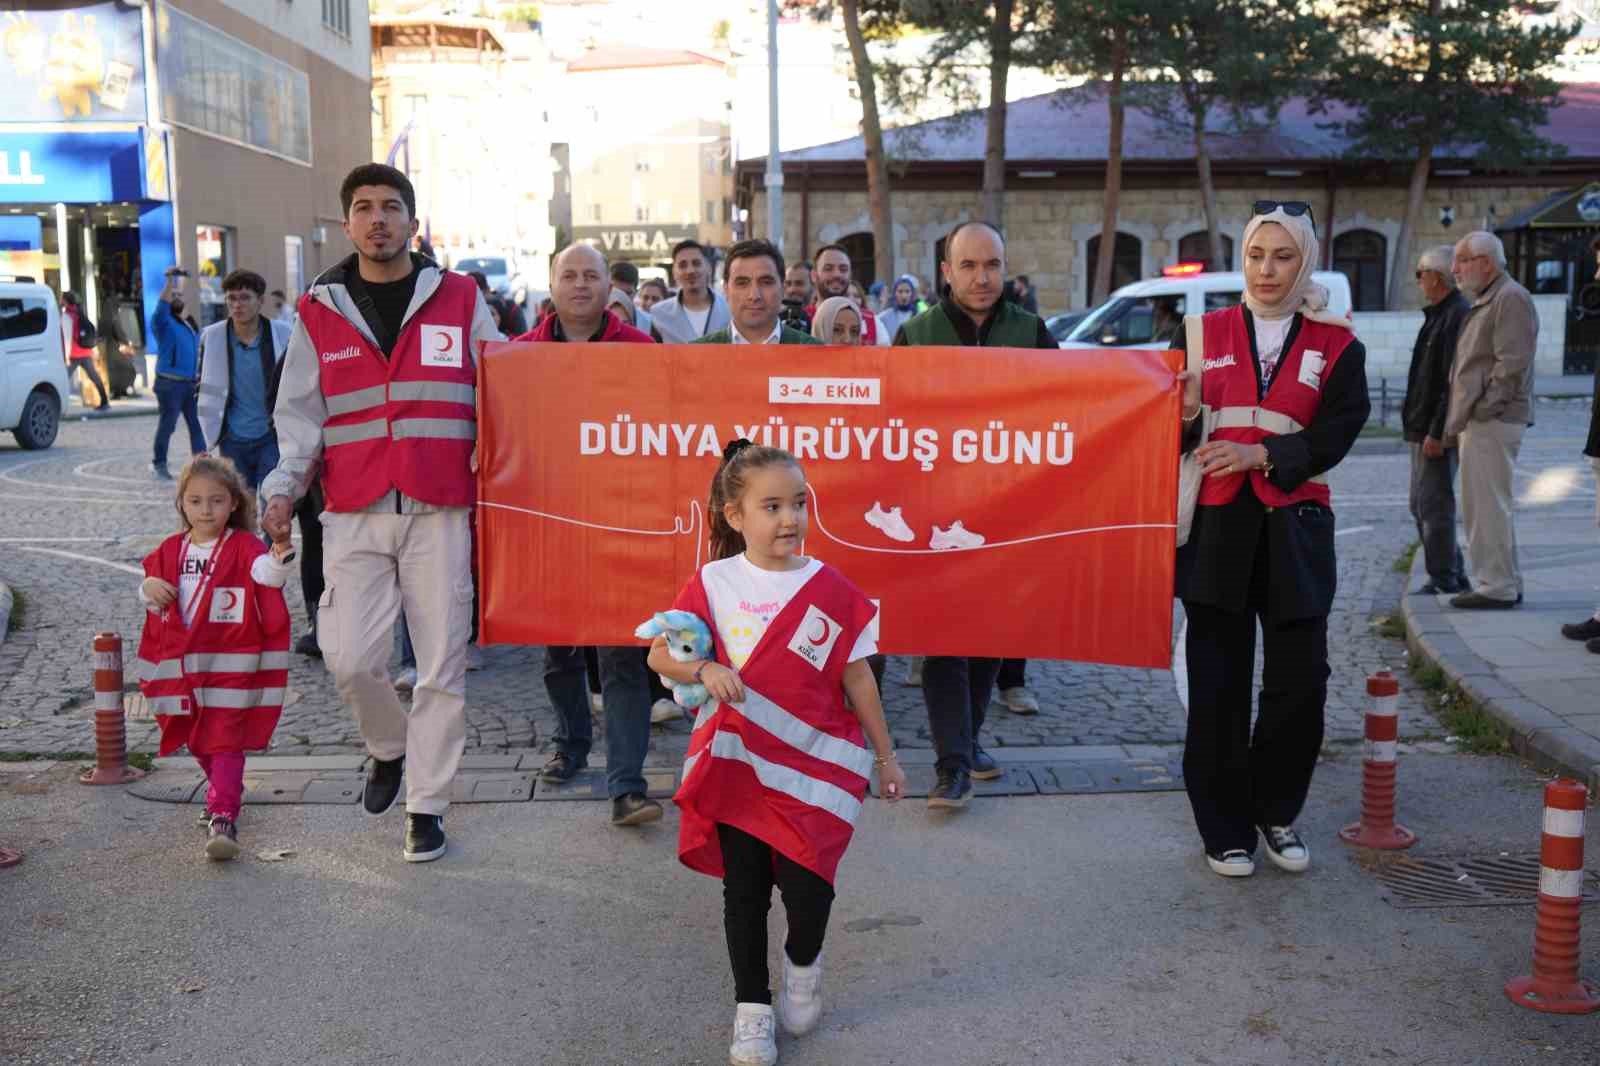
<point x="1071" y="126"/>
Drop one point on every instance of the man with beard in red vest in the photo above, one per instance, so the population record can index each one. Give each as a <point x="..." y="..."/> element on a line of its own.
<point x="379" y="396"/>
<point x="579" y="287"/>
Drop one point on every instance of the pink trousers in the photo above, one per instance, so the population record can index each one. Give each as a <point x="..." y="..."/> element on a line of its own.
<point x="224" y="783"/>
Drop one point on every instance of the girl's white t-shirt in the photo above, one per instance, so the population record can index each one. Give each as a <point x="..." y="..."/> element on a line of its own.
<point x="745" y="600"/>
<point x="195" y="562"/>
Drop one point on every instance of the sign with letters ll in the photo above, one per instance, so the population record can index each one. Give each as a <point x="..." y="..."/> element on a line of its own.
<point x="994" y="502"/>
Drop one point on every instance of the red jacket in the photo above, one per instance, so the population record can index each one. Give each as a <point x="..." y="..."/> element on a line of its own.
<point x="218" y="686"/>
<point x="789" y="766"/>
<point x="1228" y="387"/>
<point x="613" y="329"/>
<point x="409" y="421"/>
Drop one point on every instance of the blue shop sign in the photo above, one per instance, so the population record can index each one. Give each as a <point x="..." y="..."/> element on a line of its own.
<point x="73" y="168"/>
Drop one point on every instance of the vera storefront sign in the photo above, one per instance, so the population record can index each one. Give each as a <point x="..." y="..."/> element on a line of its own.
<point x="642" y="241"/>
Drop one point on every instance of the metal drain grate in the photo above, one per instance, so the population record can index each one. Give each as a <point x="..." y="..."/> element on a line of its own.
<point x="1499" y="881"/>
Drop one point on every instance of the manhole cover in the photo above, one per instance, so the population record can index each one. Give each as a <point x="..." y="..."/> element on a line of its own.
<point x="1476" y="882"/>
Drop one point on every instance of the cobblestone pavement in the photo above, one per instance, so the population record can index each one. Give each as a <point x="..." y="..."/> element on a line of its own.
<point x="76" y="520"/>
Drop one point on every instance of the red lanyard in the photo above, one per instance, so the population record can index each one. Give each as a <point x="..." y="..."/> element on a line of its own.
<point x="205" y="573"/>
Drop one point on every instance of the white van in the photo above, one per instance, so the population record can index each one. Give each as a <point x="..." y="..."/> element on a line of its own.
<point x="33" y="366"/>
<point x="1129" y="318"/>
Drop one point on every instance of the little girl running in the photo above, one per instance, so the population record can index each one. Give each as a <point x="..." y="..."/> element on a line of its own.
<point x="776" y="771"/>
<point x="214" y="656"/>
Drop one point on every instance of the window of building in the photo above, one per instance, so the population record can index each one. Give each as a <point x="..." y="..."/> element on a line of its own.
<point x="1126" y="262"/>
<point x="336" y="16"/>
<point x="641" y="212"/>
<point x="214" y="246"/>
<point x="294" y="267"/>
<point x="594" y="212"/>
<point x="711" y="210"/>
<point x="1360" y="255"/>
<point x="1196" y="248"/>
<point x="216" y="84"/>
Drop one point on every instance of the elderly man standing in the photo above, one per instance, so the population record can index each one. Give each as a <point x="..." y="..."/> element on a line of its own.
<point x="1491" y="407"/>
<point x="1433" y="466"/>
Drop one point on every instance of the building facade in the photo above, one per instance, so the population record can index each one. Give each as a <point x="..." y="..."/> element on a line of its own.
<point x="1055" y="176"/>
<point x="462" y="105"/>
<point x="210" y="134"/>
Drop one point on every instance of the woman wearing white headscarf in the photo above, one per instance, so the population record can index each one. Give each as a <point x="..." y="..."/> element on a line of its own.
<point x="1283" y="386"/>
<point x="837" y="321"/>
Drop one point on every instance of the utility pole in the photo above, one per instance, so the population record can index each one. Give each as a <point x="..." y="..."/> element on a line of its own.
<point x="774" y="178"/>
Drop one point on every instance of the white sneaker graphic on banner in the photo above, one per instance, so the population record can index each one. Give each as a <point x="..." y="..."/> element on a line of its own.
<point x="890" y="523"/>
<point x="957" y="536"/>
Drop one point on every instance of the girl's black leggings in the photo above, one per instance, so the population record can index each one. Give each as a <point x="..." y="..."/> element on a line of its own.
<point x="750" y="869"/>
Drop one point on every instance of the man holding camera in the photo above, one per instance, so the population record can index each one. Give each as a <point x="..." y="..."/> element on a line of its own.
<point x="177" y="371"/>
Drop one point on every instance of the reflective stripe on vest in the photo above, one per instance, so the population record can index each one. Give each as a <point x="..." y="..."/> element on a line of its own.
<point x="355" y="432"/>
<point x="345" y="403"/>
<point x="1256" y="417"/>
<point x="437" y="428"/>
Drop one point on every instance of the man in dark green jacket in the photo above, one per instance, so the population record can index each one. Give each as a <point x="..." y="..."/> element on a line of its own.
<point x="754" y="289"/>
<point x="957" y="689"/>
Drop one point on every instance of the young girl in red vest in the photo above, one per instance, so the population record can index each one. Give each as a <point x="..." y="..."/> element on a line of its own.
<point x="777" y="766"/>
<point x="214" y="656"/>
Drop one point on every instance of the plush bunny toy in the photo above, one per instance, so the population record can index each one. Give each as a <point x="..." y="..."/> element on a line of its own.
<point x="688" y="639"/>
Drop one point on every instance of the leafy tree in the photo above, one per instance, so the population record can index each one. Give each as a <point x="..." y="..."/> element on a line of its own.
<point x="1459" y="78"/>
<point x="1228" y="65"/>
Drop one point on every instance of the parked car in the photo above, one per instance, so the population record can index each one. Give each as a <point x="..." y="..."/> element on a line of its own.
<point x="498" y="269"/>
<point x="33" y="366"/>
<point x="1061" y="325"/>
<point x="1130" y="319"/>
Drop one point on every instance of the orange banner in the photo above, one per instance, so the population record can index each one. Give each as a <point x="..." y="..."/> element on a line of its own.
<point x="995" y="502"/>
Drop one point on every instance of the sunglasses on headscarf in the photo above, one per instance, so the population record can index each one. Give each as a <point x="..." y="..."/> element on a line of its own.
<point x="1292" y="208"/>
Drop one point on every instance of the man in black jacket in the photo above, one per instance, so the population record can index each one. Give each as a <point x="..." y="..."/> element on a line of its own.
<point x="1433" y="461"/>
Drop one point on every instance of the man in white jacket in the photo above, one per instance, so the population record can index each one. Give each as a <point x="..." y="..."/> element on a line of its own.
<point x="240" y="360"/>
<point x="378" y="400"/>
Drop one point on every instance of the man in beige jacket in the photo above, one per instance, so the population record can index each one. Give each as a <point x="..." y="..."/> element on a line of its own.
<point x="1491" y="406"/>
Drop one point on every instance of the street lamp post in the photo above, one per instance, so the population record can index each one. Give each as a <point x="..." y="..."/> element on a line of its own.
<point x="774" y="177"/>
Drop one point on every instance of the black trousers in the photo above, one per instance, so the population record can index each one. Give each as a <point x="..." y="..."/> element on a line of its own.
<point x="957" y="691"/>
<point x="1013" y="673"/>
<point x="1238" y="779"/>
<point x="750" y="869"/>
<point x="307" y="510"/>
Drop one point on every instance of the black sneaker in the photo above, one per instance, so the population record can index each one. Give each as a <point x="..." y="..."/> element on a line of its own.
<point x="634" y="809"/>
<point x="953" y="790"/>
<point x="1285" y="848"/>
<point x="1588" y="629"/>
<point x="383" y="784"/>
<point x="1477" y="601"/>
<point x="1593" y="645"/>
<point x="222" y="842"/>
<point x="424" y="837"/>
<point x="984" y="768"/>
<point x="307" y="644"/>
<point x="159" y="472"/>
<point x="560" y="769"/>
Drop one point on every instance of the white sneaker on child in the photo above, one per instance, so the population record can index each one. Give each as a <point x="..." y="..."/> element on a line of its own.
<point x="754" y="1041"/>
<point x="800" y="998"/>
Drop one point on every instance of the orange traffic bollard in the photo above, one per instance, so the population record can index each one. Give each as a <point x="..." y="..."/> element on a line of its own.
<point x="1377" y="828"/>
<point x="1554" y="985"/>
<point x="110" y="733"/>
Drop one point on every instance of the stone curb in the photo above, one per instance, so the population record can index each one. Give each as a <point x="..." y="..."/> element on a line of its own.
<point x="1537" y="733"/>
<point x="6" y="600"/>
<point x="83" y="414"/>
<point x="1378" y="446"/>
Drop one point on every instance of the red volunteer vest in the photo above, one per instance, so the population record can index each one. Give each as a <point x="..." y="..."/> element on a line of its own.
<point x="1228" y="388"/>
<point x="216" y="686"/>
<point x="408" y="422"/>
<point x="790" y="766"/>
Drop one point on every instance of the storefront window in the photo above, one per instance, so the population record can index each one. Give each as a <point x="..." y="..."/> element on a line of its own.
<point x="214" y="245"/>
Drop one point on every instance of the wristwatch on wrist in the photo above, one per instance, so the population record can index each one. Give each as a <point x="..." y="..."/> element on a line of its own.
<point x="1266" y="464"/>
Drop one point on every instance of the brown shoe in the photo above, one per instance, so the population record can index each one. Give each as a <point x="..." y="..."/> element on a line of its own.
<point x="634" y="809"/>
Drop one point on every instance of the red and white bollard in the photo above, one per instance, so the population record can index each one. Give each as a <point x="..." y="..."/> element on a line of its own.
<point x="1377" y="828"/>
<point x="1554" y="985"/>
<point x="110" y="733"/>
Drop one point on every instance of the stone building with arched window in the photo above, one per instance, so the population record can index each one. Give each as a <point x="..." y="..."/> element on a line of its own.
<point x="1055" y="174"/>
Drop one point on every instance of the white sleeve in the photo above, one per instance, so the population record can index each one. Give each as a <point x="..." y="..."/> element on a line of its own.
<point x="268" y="571"/>
<point x="298" y="419"/>
<point x="144" y="600"/>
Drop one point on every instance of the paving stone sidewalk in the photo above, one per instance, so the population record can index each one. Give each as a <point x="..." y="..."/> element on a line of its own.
<point x="1516" y="664"/>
